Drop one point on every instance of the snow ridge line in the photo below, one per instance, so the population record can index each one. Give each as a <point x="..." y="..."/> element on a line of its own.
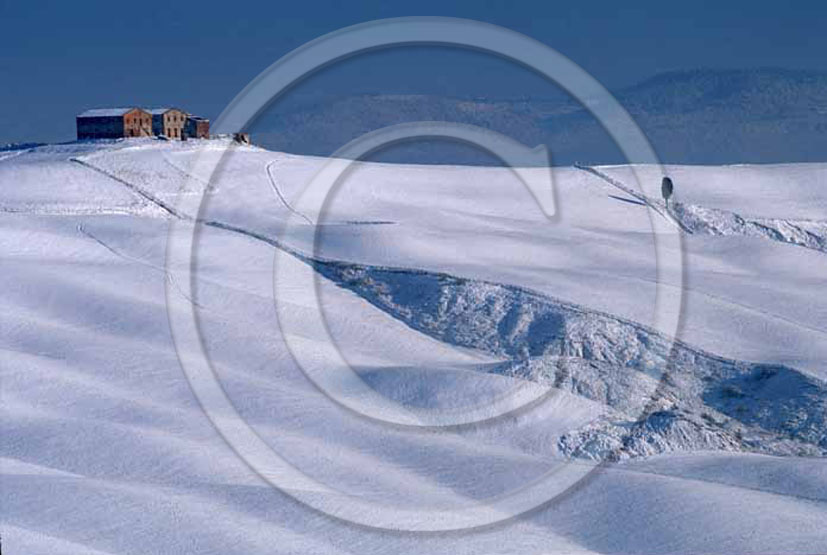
<point x="14" y="154"/>
<point x="721" y="483"/>
<point x="280" y="195"/>
<point x="658" y="207"/>
<point x="716" y="222"/>
<point x="698" y="220"/>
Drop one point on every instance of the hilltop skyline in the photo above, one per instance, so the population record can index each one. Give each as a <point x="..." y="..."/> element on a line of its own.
<point x="201" y="56"/>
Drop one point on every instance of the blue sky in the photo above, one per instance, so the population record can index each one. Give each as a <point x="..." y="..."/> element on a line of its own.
<point x="58" y="58"/>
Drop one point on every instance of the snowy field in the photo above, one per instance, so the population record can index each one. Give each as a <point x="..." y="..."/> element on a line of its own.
<point x="445" y="289"/>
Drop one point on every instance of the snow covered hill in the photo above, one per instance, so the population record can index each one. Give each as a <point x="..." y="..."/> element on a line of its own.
<point x="444" y="289"/>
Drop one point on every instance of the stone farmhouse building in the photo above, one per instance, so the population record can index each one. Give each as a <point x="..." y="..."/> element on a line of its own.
<point x="168" y="122"/>
<point x="115" y="123"/>
<point x="197" y="127"/>
<point x="108" y="123"/>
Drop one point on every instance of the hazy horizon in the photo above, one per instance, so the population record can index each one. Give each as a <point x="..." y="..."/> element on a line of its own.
<point x="199" y="57"/>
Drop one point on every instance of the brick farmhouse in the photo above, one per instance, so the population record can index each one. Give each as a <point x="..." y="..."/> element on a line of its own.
<point x="115" y="123"/>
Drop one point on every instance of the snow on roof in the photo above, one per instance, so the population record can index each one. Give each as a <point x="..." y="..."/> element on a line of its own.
<point x="105" y="112"/>
<point x="114" y="112"/>
<point x="158" y="111"/>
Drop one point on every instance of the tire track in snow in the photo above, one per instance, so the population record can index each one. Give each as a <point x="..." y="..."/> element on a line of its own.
<point x="209" y="188"/>
<point x="145" y="195"/>
<point x="167" y="276"/>
<point x="280" y="195"/>
<point x="46" y="210"/>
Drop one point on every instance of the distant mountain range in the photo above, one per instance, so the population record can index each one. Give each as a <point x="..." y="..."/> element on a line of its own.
<point x="690" y="117"/>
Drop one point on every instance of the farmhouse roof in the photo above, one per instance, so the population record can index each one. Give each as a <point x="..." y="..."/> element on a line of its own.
<point x="105" y="112"/>
<point x="158" y="111"/>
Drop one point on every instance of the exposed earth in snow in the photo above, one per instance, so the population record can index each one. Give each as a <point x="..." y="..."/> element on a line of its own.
<point x="444" y="288"/>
